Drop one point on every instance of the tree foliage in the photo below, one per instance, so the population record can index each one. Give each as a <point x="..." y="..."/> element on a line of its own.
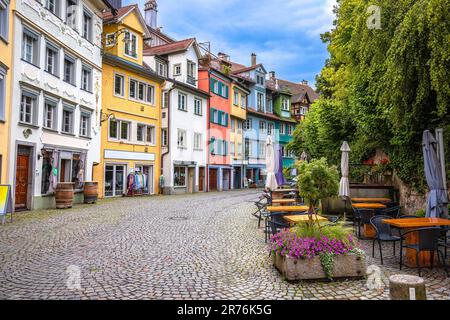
<point x="381" y="88"/>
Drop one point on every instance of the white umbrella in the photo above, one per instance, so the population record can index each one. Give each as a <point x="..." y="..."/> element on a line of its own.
<point x="271" y="180"/>
<point x="304" y="156"/>
<point x="344" y="187"/>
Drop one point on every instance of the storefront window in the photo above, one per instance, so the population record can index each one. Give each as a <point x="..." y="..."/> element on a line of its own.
<point x="179" y="176"/>
<point x="46" y="171"/>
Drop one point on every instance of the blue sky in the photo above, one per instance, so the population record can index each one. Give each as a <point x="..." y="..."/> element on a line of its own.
<point x="285" y="34"/>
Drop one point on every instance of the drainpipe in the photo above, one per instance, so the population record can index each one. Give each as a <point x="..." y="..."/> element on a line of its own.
<point x="168" y="131"/>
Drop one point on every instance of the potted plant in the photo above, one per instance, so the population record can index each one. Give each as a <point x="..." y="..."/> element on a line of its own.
<point x="316" y="181"/>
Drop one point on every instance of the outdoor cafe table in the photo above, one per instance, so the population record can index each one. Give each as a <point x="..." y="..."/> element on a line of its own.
<point x="303" y="218"/>
<point x="279" y="193"/>
<point x="407" y="224"/>
<point x="283" y="202"/>
<point x="368" y="230"/>
<point x="372" y="200"/>
<point x="287" y="208"/>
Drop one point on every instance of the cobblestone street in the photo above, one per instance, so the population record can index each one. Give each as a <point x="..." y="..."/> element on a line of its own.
<point x="202" y="246"/>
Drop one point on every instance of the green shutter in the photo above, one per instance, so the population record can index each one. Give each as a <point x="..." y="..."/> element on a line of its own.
<point x="220" y="88"/>
<point x="226" y="119"/>
<point x="212" y="85"/>
<point x="226" y="92"/>
<point x="226" y="148"/>
<point x="211" y="145"/>
<point x="219" y="117"/>
<point x="211" y="115"/>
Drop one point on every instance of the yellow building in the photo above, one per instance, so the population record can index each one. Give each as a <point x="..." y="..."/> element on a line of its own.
<point x="6" y="74"/>
<point x="131" y="106"/>
<point x="238" y="116"/>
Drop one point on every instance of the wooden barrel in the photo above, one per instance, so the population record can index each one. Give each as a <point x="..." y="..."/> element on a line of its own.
<point x="90" y="192"/>
<point x="64" y="195"/>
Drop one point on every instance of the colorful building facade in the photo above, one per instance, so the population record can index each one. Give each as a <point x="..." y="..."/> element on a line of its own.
<point x="6" y="65"/>
<point x="130" y="145"/>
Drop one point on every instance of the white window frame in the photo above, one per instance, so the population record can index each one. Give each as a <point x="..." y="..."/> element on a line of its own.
<point x="122" y="88"/>
<point x="55" y="66"/>
<point x="85" y="114"/>
<point x="71" y="59"/>
<point x="198" y="107"/>
<point x="175" y="67"/>
<point x="72" y="22"/>
<point x="33" y="108"/>
<point x="184" y="106"/>
<point x="182" y="133"/>
<point x="262" y="126"/>
<point x="87" y="14"/>
<point x="285" y="104"/>
<point x="282" y="128"/>
<point x="35" y="46"/>
<point x="270" y="128"/>
<point x="89" y="84"/>
<point x="71" y="110"/>
<point x="4" y="20"/>
<point x="54" y="113"/>
<point x="56" y="7"/>
<point x="164" y="137"/>
<point x="145" y="138"/>
<point x="198" y="141"/>
<point x="131" y="37"/>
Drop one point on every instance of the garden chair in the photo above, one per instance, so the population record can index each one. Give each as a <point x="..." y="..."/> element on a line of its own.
<point x="361" y="217"/>
<point x="393" y="212"/>
<point x="444" y="240"/>
<point x="274" y="223"/>
<point x="383" y="233"/>
<point x="428" y="241"/>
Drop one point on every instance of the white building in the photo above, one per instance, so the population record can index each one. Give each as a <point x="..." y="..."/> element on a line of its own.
<point x="183" y="119"/>
<point x="56" y="102"/>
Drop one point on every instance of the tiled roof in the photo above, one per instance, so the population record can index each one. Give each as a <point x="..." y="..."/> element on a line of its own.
<point x="169" y="48"/>
<point x="245" y="69"/>
<point x="108" y="15"/>
<point x="299" y="88"/>
<point x="263" y="114"/>
<point x="160" y="34"/>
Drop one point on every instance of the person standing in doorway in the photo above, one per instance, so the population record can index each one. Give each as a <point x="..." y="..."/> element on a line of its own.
<point x="161" y="184"/>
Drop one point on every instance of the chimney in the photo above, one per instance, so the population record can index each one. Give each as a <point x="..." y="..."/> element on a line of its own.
<point x="223" y="56"/>
<point x="253" y="59"/>
<point x="272" y="74"/>
<point x="151" y="13"/>
<point x="305" y="82"/>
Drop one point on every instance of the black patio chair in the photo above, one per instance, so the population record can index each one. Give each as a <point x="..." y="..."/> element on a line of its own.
<point x="444" y="240"/>
<point x="383" y="233"/>
<point x="332" y="219"/>
<point x="362" y="217"/>
<point x="274" y="223"/>
<point x="393" y="212"/>
<point x="428" y="241"/>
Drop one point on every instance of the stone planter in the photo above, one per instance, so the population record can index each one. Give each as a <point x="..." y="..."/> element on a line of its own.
<point x="345" y="266"/>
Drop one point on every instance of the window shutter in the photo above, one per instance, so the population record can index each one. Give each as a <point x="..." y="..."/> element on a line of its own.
<point x="226" y="92"/>
<point x="220" y="87"/>
<point x="212" y="85"/>
<point x="226" y="148"/>
<point x="211" y="115"/>
<point x="220" y="117"/>
<point x="226" y="119"/>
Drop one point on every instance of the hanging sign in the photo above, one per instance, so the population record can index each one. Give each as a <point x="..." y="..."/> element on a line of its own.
<point x="5" y="202"/>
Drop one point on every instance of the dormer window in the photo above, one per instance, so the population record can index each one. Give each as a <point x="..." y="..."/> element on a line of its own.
<point x="177" y="69"/>
<point x="161" y="69"/>
<point x="285" y="105"/>
<point x="191" y="72"/>
<point x="130" y="44"/>
<point x="260" y="80"/>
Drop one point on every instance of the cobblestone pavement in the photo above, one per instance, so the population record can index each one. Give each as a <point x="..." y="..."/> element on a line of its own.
<point x="202" y="246"/>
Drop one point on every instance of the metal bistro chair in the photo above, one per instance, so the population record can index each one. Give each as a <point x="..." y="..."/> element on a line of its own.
<point x="361" y="217"/>
<point x="444" y="240"/>
<point x="383" y="233"/>
<point x="393" y="212"/>
<point x="274" y="223"/>
<point x="428" y="241"/>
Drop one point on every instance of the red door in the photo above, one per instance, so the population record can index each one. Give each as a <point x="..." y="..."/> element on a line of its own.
<point x="22" y="170"/>
<point x="212" y="179"/>
<point x="201" y="178"/>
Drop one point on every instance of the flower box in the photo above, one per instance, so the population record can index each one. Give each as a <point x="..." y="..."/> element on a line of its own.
<point x="349" y="265"/>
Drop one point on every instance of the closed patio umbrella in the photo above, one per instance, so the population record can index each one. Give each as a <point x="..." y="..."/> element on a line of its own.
<point x="271" y="181"/>
<point x="344" y="187"/>
<point x="437" y="198"/>
<point x="279" y="166"/>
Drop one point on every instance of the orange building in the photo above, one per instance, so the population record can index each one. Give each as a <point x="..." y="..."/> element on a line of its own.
<point x="218" y="84"/>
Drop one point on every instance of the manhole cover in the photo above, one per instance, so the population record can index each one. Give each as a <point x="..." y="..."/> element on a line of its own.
<point x="178" y="218"/>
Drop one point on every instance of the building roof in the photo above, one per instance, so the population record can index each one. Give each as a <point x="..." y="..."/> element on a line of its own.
<point x="160" y="34"/>
<point x="109" y="16"/>
<point x="298" y="89"/>
<point x="143" y="70"/>
<point x="174" y="47"/>
<point x="263" y="114"/>
<point x="245" y="69"/>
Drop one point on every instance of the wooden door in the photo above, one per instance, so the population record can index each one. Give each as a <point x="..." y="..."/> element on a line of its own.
<point x="213" y="179"/>
<point x="201" y="179"/>
<point x="191" y="180"/>
<point x="21" y="190"/>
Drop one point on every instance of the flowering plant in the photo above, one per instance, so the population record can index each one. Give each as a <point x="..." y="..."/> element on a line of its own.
<point x="290" y="244"/>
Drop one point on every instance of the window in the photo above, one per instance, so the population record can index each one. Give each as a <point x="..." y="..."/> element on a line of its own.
<point x="113" y="125"/>
<point x="262" y="150"/>
<point x="269" y="106"/>
<point x="248" y="148"/>
<point x="124" y="130"/>
<point x="87" y="25"/>
<point x="260" y="102"/>
<point x="86" y="78"/>
<point x="67" y="119"/>
<point x="198" y="145"/>
<point x="52" y="6"/>
<point x="119" y="82"/>
<point x="69" y="70"/>
<point x="248" y="124"/>
<point x="235" y="98"/>
<point x="85" y="124"/>
<point x="179" y="176"/>
<point x="4" y="19"/>
<point x="46" y="171"/>
<point x="30" y="47"/>
<point x="51" y="59"/>
<point x="71" y="13"/>
<point x="28" y="107"/>
<point x="218" y="147"/>
<point x="282" y="129"/>
<point x="161" y="69"/>
<point x="262" y="126"/>
<point x="239" y="149"/>
<point x="198" y="106"/>
<point x="260" y="79"/>
<point x="165" y="99"/>
<point x="191" y="72"/>
<point x="270" y="128"/>
<point x="131" y="44"/>
<point x="50" y="117"/>
<point x="177" y="69"/>
<point x="141" y="91"/>
<point x="232" y="150"/>
<point x="289" y="129"/>
<point x="164" y="137"/>
<point x="232" y="125"/>
<point x="182" y="102"/>
<point x="2" y="92"/>
<point x="181" y="140"/>
<point x="285" y="105"/>
<point x="239" y="126"/>
<point x="133" y="88"/>
<point x="243" y="101"/>
<point x="146" y="133"/>
<point x="303" y="110"/>
<point x="150" y="94"/>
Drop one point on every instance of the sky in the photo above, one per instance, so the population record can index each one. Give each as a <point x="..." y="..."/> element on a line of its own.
<point x="285" y="34"/>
